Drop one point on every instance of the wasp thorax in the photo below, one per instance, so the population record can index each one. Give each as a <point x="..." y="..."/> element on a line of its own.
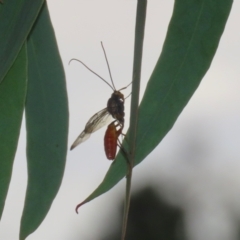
<point x="115" y="106"/>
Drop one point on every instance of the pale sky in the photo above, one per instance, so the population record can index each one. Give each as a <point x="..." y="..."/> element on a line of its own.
<point x="198" y="161"/>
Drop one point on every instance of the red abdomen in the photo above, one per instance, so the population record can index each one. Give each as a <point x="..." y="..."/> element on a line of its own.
<point x="110" y="141"/>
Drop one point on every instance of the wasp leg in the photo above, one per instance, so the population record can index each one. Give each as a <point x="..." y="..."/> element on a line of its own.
<point x="124" y="151"/>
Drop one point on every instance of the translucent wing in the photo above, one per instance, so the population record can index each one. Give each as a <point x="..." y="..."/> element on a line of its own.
<point x="97" y="121"/>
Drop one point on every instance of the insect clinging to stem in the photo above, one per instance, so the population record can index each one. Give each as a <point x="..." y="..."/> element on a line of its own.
<point x="114" y="109"/>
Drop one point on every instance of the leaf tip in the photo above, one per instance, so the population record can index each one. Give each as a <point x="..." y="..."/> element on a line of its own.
<point x="79" y="205"/>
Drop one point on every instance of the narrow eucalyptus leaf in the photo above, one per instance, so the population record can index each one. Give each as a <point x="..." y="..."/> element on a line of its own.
<point x="46" y="123"/>
<point x="12" y="101"/>
<point x="16" y="20"/>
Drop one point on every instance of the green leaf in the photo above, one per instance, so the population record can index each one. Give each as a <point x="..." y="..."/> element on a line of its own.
<point x="192" y="39"/>
<point x="46" y="123"/>
<point x="16" y="20"/>
<point x="12" y="102"/>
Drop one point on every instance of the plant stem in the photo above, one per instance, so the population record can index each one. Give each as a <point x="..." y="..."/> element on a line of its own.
<point x="139" y="36"/>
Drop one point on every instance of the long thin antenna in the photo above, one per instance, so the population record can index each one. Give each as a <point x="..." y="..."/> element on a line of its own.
<point x="128" y="95"/>
<point x="108" y="66"/>
<point x="125" y="87"/>
<point x="74" y="59"/>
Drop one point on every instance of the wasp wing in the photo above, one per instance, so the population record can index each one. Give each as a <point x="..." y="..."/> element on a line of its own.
<point x="97" y="121"/>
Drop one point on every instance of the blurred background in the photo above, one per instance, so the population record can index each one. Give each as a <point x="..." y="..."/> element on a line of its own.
<point x="189" y="186"/>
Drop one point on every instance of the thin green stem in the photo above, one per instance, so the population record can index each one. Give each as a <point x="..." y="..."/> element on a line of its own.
<point x="139" y="36"/>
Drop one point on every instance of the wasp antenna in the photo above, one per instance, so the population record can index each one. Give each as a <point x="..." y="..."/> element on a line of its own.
<point x="74" y="59"/>
<point x="108" y="66"/>
<point x="70" y="61"/>
<point x="125" y="87"/>
<point x="128" y="95"/>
